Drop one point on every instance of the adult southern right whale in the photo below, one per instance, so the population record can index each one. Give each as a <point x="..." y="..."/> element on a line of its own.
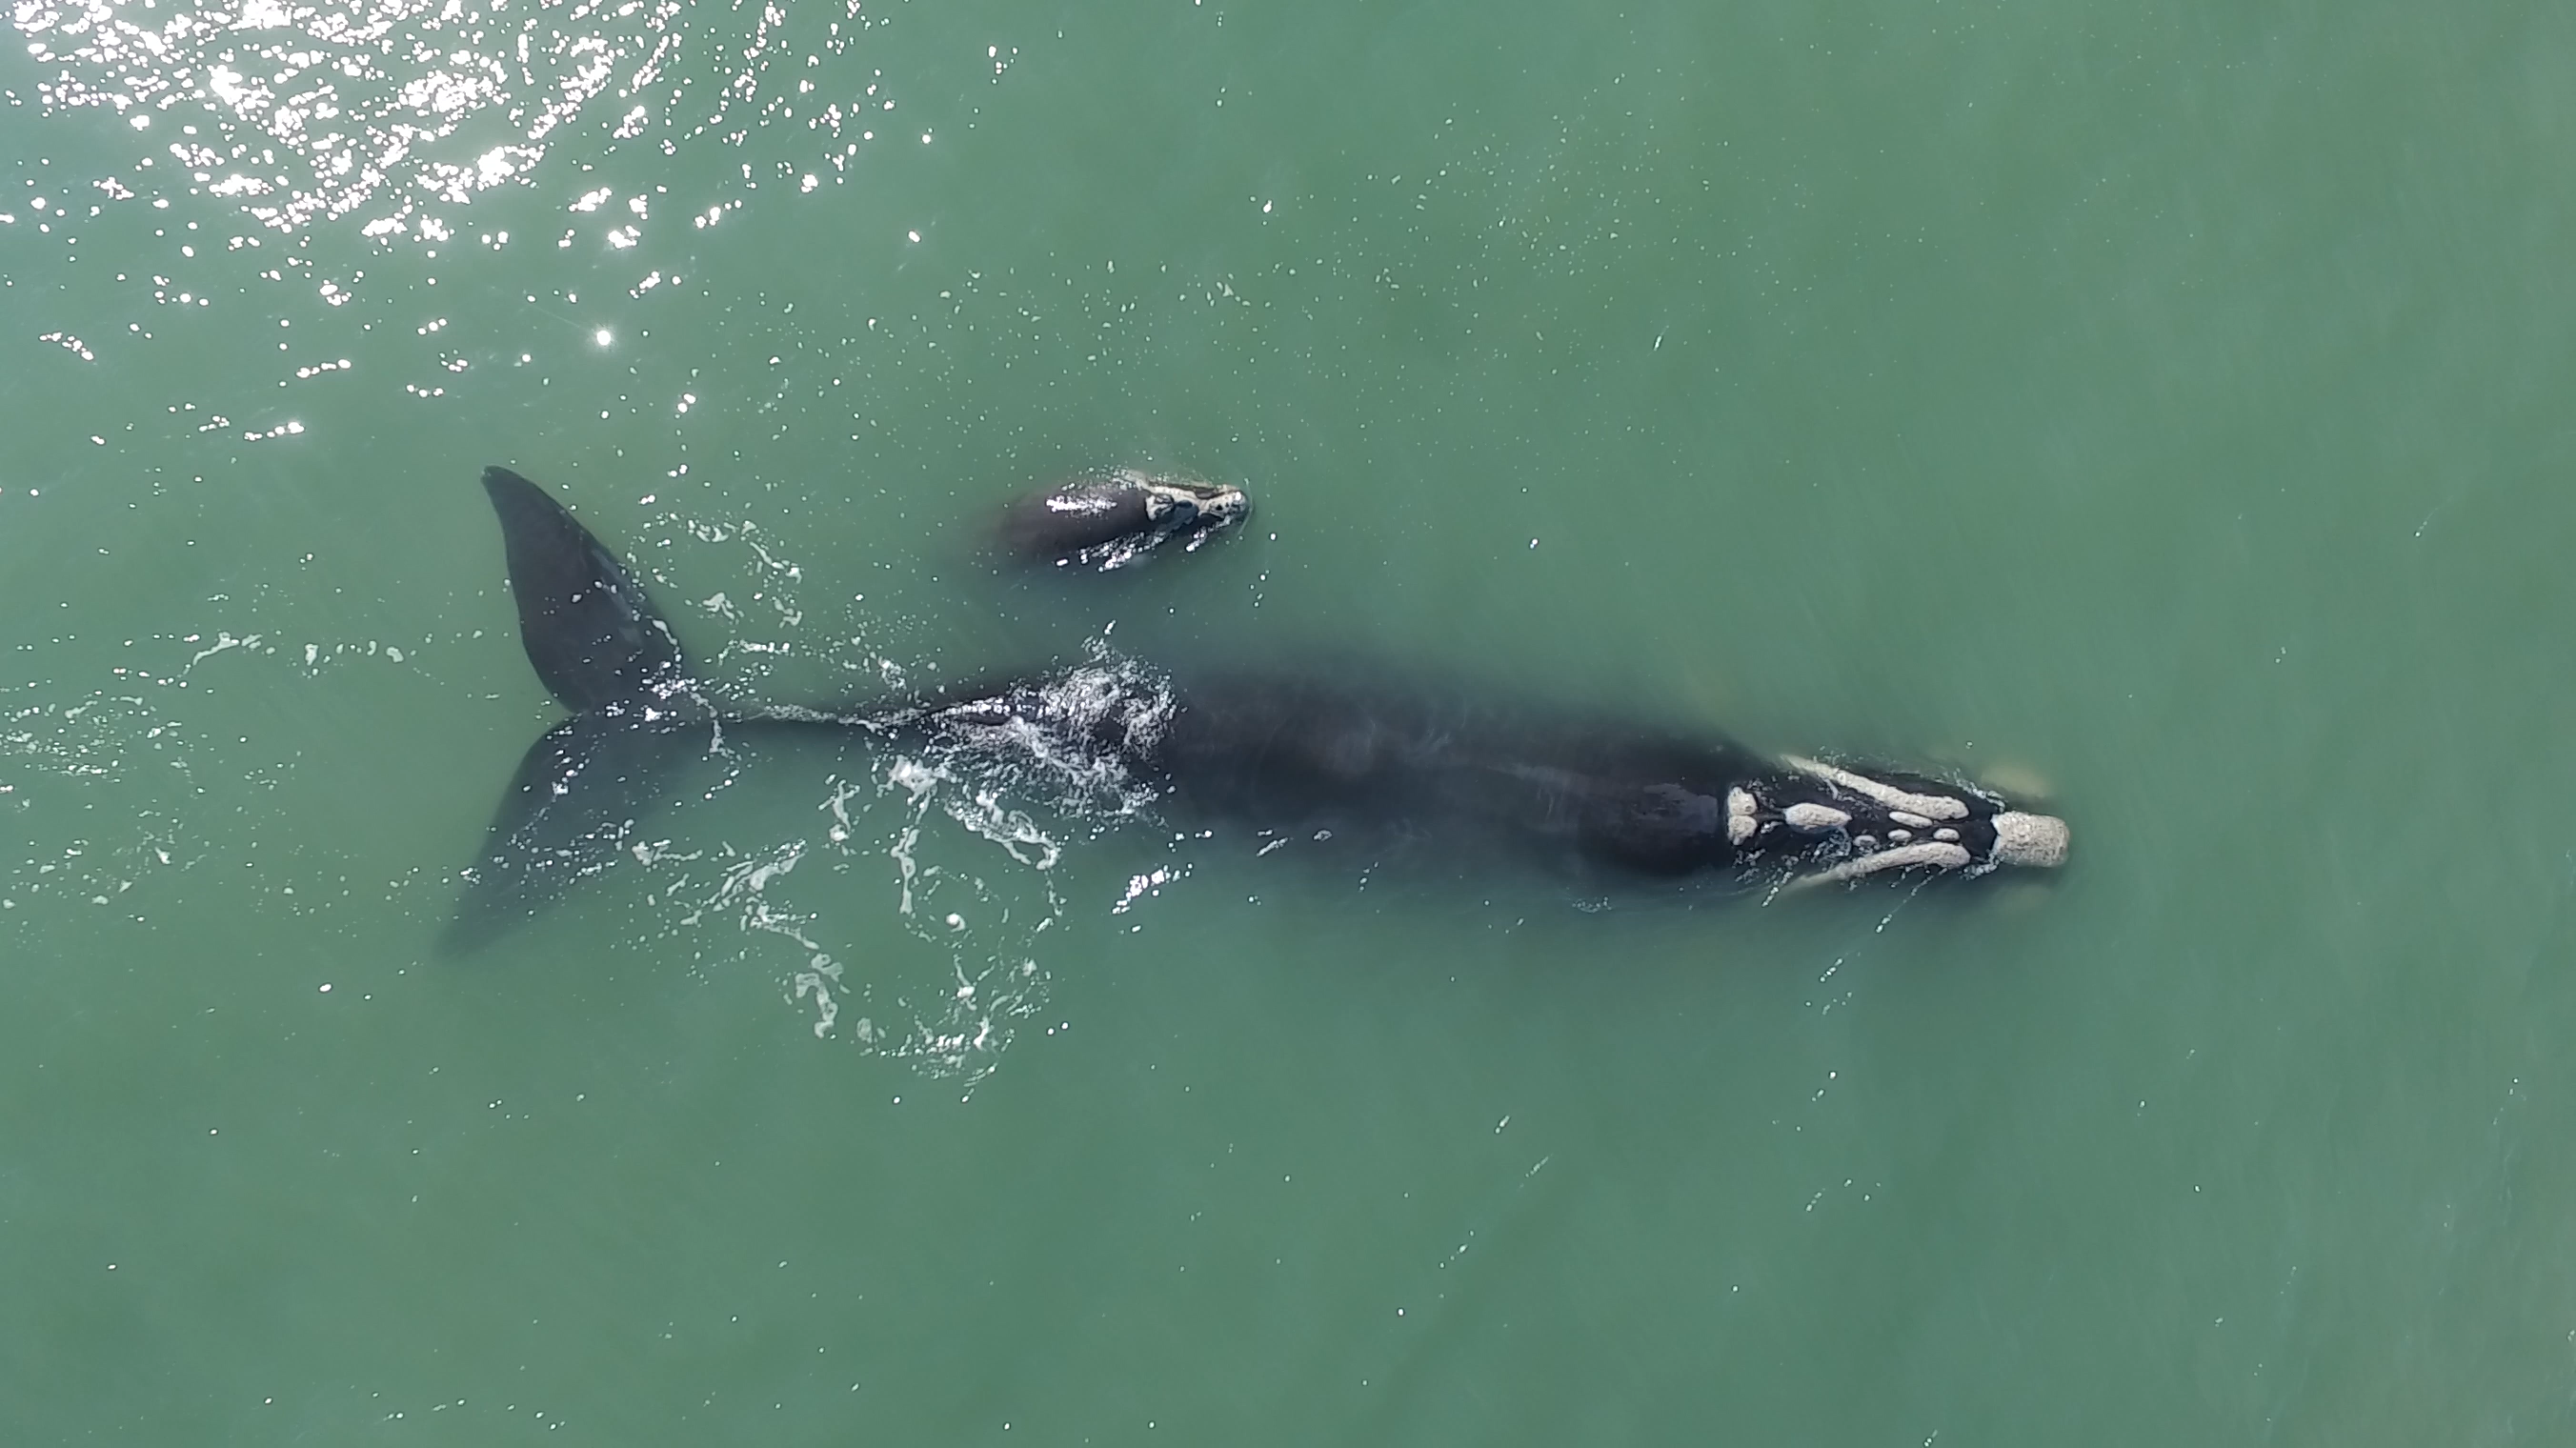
<point x="1283" y="754"/>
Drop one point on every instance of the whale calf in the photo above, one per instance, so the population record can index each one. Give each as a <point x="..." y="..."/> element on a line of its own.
<point x="1384" y="763"/>
<point x="1115" y="519"/>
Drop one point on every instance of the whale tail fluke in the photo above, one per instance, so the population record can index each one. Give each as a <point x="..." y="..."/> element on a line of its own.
<point x="606" y="653"/>
<point x="594" y="636"/>
<point x="571" y="809"/>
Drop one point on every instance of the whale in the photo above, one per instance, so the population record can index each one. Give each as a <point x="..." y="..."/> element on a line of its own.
<point x="1385" y="760"/>
<point x="1115" y="519"/>
<point x="1396" y="761"/>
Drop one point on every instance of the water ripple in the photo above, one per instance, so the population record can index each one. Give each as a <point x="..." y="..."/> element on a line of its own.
<point x="387" y="111"/>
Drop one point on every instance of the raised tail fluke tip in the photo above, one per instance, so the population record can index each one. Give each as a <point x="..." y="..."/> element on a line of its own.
<point x="591" y="632"/>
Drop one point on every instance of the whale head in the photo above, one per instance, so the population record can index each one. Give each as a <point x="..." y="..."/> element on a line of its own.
<point x="1819" y="823"/>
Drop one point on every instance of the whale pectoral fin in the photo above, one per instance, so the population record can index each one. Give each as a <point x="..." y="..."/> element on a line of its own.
<point x="593" y="635"/>
<point x="571" y="808"/>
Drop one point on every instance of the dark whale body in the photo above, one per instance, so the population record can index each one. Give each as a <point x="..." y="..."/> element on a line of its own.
<point x="1284" y="754"/>
<point x="1458" y="773"/>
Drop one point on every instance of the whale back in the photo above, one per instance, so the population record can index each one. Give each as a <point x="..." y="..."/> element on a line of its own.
<point x="596" y="640"/>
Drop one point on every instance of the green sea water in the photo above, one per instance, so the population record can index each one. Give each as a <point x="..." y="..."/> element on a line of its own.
<point x="2162" y="406"/>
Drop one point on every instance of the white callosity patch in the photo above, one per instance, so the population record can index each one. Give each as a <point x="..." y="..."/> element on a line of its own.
<point x="2035" y="840"/>
<point x="2020" y="839"/>
<point x="1929" y="806"/>
<point x="1210" y="505"/>
<point x="1743" y="815"/>
<point x="1814" y="819"/>
<point x="1927" y="855"/>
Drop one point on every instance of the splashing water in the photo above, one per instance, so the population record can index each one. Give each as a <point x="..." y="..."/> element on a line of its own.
<point x="981" y="925"/>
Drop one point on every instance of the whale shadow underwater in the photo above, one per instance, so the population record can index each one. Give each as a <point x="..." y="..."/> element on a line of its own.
<point x="1379" y="760"/>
